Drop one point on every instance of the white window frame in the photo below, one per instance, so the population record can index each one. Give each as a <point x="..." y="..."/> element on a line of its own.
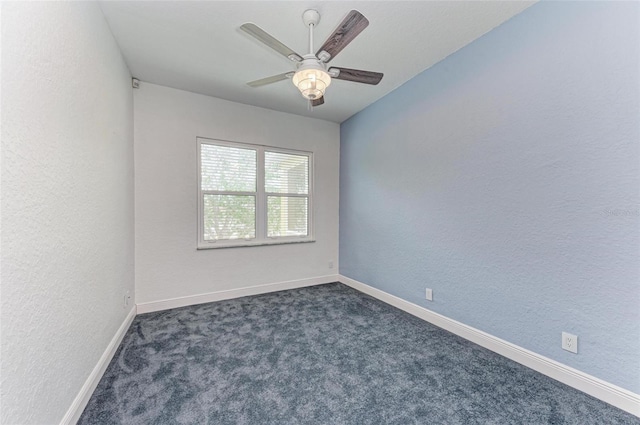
<point x="261" y="198"/>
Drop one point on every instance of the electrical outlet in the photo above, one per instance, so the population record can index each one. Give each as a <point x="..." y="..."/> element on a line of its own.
<point x="570" y="342"/>
<point x="330" y="264"/>
<point x="127" y="298"/>
<point x="429" y="294"/>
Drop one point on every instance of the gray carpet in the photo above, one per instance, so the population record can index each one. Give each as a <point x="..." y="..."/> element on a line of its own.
<point x="321" y="355"/>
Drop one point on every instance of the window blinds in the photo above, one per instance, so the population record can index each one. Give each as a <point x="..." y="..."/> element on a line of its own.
<point x="226" y="173"/>
<point x="287" y="188"/>
<point x="228" y="169"/>
<point x="252" y="194"/>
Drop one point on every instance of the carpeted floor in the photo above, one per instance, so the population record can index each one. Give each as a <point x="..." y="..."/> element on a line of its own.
<point x="321" y="355"/>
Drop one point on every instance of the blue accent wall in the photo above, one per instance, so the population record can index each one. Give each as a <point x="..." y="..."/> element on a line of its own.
<point x="507" y="179"/>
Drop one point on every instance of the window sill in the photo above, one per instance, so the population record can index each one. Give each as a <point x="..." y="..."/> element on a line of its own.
<point x="216" y="245"/>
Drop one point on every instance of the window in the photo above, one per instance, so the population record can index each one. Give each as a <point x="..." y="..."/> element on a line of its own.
<point x="252" y="195"/>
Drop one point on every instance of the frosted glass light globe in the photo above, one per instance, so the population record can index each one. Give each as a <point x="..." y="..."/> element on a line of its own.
<point x="312" y="82"/>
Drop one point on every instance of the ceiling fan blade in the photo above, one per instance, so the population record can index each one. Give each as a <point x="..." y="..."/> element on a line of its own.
<point x="353" y="24"/>
<point x="356" y="75"/>
<point x="266" y="38"/>
<point x="269" y="80"/>
<point x="317" y="102"/>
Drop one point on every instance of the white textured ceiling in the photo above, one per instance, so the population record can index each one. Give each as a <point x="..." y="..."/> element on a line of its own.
<point x="197" y="45"/>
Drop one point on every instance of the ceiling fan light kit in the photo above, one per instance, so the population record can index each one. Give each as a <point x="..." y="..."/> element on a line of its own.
<point x="312" y="76"/>
<point x="311" y="82"/>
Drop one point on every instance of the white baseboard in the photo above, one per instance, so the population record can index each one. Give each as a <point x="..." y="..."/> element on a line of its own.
<point x="149" y="307"/>
<point x="605" y="391"/>
<point x="83" y="397"/>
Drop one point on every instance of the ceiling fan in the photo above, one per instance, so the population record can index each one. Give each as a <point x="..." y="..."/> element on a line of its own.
<point x="312" y="75"/>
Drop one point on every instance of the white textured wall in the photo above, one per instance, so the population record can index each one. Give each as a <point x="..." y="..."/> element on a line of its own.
<point x="67" y="203"/>
<point x="167" y="122"/>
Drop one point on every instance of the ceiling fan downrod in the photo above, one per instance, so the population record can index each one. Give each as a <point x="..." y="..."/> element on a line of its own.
<point x="311" y="77"/>
<point x="311" y="18"/>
